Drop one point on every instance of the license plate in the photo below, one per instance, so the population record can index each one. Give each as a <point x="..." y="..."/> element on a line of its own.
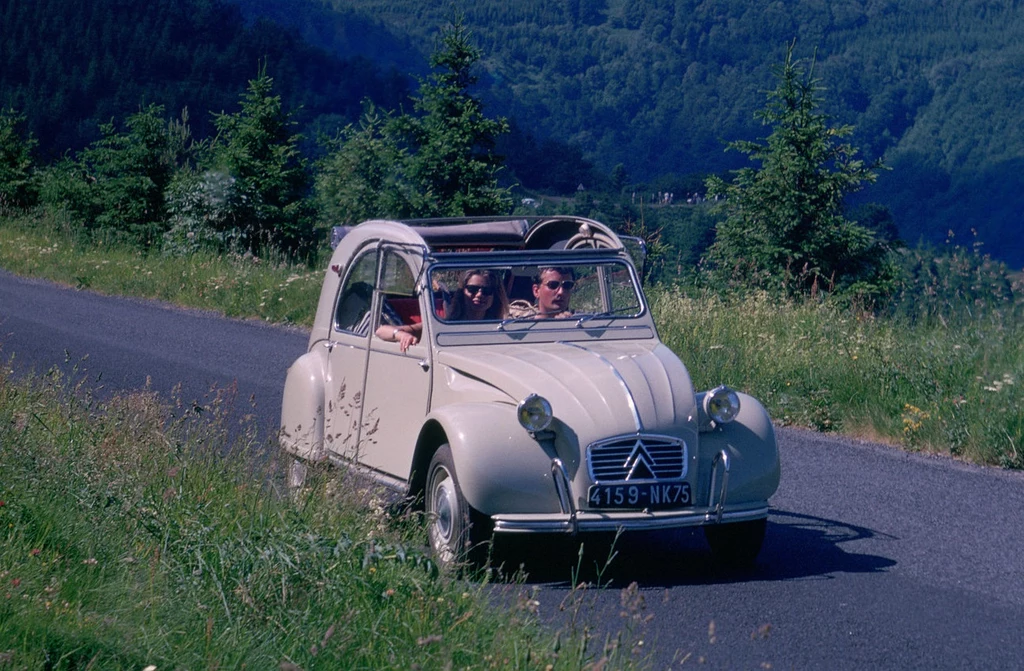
<point x="646" y="495"/>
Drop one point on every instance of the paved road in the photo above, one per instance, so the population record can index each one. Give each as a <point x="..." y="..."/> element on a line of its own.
<point x="873" y="558"/>
<point x="119" y="343"/>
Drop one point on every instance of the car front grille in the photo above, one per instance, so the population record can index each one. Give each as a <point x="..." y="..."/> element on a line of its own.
<point x="637" y="458"/>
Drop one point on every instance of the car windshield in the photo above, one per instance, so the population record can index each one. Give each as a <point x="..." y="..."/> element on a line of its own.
<point x="534" y="292"/>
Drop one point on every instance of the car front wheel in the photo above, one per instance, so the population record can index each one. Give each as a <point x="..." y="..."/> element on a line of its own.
<point x="455" y="530"/>
<point x="737" y="544"/>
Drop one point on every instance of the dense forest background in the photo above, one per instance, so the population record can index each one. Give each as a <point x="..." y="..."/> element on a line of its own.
<point x="635" y="92"/>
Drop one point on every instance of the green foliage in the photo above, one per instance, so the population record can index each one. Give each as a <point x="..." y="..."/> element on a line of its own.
<point x="69" y="67"/>
<point x="451" y="160"/>
<point x="363" y="175"/>
<point x="116" y="185"/>
<point x="134" y="532"/>
<point x="954" y="285"/>
<point x="438" y="162"/>
<point x="252" y="189"/>
<point x="950" y="386"/>
<point x="935" y="88"/>
<point x="18" y="186"/>
<point x="784" y="226"/>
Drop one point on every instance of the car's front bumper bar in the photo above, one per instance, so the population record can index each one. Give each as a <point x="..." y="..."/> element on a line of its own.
<point x="585" y="521"/>
<point x="570" y="520"/>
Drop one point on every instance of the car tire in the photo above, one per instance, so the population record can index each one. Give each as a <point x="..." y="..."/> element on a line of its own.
<point x="737" y="544"/>
<point x="457" y="533"/>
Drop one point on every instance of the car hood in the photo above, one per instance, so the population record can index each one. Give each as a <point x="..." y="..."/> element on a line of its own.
<point x="596" y="389"/>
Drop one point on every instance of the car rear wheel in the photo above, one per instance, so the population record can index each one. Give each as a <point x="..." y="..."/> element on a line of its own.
<point x="457" y="532"/>
<point x="736" y="545"/>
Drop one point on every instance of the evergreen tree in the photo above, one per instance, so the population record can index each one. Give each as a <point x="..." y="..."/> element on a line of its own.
<point x="784" y="225"/>
<point x="362" y="176"/>
<point x="439" y="162"/>
<point x="269" y="181"/>
<point x="117" y="184"/>
<point x="451" y="160"/>
<point x="17" y="183"/>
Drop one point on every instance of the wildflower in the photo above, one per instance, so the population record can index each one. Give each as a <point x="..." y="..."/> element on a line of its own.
<point x="34" y="552"/>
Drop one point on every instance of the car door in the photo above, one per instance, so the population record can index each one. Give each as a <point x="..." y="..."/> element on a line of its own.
<point x="397" y="392"/>
<point x="347" y="354"/>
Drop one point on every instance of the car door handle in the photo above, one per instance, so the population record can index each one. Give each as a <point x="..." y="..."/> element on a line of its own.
<point x="424" y="364"/>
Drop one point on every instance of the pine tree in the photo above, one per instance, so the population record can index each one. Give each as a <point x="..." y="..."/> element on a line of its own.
<point x="438" y="162"/>
<point x="784" y="225"/>
<point x="117" y="185"/>
<point x="451" y="160"/>
<point x="362" y="177"/>
<point x="17" y="183"/>
<point x="255" y="149"/>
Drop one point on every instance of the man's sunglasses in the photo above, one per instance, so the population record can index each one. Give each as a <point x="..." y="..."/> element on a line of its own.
<point x="474" y="289"/>
<point x="565" y="284"/>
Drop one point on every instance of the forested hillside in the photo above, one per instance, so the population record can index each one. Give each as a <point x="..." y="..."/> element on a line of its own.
<point x="658" y="86"/>
<point x="68" y="66"/>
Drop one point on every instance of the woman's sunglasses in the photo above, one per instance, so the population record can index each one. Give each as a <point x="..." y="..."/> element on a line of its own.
<point x="565" y="284"/>
<point x="474" y="289"/>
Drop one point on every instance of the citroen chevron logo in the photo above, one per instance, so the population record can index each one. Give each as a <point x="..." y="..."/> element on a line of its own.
<point x="639" y="464"/>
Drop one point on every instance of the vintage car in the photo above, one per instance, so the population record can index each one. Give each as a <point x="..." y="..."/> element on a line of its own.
<point x="522" y="418"/>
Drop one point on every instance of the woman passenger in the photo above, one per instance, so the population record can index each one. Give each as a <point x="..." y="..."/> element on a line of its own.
<point x="480" y="297"/>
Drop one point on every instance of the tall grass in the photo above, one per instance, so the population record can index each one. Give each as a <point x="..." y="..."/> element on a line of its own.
<point x="43" y="244"/>
<point x="132" y="536"/>
<point x="951" y="386"/>
<point x="942" y="370"/>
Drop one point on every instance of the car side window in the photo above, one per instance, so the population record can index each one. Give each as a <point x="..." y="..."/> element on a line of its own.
<point x="397" y="283"/>
<point x="353" y="309"/>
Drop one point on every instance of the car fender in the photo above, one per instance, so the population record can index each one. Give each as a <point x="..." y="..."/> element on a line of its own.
<point x="749" y="441"/>
<point x="500" y="467"/>
<point x="302" y="408"/>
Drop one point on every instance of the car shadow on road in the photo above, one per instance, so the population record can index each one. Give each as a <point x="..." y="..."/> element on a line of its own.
<point x="796" y="546"/>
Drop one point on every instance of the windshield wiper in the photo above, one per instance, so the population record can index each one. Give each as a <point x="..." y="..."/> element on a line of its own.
<point x="516" y="320"/>
<point x="618" y="312"/>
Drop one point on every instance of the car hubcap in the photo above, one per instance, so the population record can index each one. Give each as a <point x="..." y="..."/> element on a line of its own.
<point x="444" y="507"/>
<point x="296" y="474"/>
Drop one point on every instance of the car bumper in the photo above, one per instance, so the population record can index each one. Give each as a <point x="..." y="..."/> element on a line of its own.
<point x="589" y="521"/>
<point x="571" y="520"/>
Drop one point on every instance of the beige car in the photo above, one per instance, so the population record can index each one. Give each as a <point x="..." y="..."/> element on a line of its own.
<point x="506" y="375"/>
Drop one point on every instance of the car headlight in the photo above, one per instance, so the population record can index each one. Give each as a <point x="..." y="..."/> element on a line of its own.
<point x="722" y="404"/>
<point x="534" y="413"/>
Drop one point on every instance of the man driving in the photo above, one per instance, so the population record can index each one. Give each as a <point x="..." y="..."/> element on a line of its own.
<point x="552" y="290"/>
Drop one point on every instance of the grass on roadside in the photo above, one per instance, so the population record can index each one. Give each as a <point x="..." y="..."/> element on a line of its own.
<point x="243" y="286"/>
<point x="953" y="387"/>
<point x="133" y="536"/>
<point x="947" y="385"/>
